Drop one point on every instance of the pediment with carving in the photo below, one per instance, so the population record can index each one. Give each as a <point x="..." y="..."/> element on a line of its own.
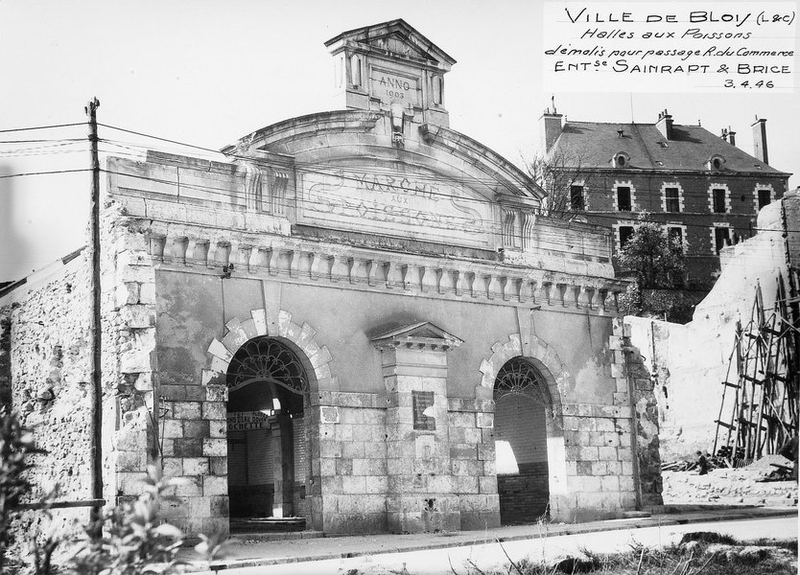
<point x="422" y="335"/>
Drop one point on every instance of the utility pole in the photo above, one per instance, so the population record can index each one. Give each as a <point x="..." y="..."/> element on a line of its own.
<point x="97" y="332"/>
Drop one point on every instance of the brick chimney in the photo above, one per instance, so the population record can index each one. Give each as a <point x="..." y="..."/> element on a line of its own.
<point x="550" y="125"/>
<point x="664" y="124"/>
<point x="760" y="140"/>
<point x="728" y="135"/>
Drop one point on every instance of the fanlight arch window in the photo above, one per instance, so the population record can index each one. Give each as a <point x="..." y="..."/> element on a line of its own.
<point x="267" y="359"/>
<point x="518" y="376"/>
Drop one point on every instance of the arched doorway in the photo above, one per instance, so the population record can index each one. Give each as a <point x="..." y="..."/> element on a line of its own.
<point x="520" y="432"/>
<point x="267" y="446"/>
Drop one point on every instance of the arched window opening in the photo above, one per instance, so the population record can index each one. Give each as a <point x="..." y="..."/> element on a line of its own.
<point x="267" y="359"/>
<point x="518" y="376"/>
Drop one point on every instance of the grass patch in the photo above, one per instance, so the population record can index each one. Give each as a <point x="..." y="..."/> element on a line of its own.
<point x="698" y="553"/>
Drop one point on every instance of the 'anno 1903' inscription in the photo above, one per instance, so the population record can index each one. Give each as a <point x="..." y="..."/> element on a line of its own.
<point x="389" y="87"/>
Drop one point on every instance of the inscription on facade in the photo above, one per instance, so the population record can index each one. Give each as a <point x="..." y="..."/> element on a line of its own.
<point x="390" y="87"/>
<point x="418" y="204"/>
<point x="245" y="420"/>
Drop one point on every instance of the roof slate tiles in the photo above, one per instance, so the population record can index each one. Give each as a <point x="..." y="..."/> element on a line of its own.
<point x="594" y="144"/>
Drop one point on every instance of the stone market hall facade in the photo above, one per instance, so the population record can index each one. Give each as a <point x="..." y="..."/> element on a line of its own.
<point x="359" y="320"/>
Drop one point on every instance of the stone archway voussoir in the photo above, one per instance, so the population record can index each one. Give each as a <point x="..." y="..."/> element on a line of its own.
<point x="239" y="332"/>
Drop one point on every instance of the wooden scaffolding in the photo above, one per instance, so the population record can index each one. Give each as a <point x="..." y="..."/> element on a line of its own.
<point x="762" y="415"/>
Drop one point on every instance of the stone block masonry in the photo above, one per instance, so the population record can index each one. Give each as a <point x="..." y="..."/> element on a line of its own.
<point x="47" y="361"/>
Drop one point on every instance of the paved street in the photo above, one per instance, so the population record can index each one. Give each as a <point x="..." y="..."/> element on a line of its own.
<point x="540" y="543"/>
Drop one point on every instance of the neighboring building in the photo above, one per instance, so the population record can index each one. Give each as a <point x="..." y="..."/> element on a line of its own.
<point x="359" y="320"/>
<point x="701" y="187"/>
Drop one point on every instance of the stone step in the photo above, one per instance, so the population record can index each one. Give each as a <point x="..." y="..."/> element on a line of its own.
<point x="263" y="536"/>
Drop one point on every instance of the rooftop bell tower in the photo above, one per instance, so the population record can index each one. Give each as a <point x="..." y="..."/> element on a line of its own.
<point x="393" y="68"/>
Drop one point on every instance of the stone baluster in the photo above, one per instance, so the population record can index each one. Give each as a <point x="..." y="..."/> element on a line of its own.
<point x="429" y="282"/>
<point x="394" y="275"/>
<point x="340" y="270"/>
<point x="546" y="289"/>
<point x="254" y="261"/>
<point x="211" y="255"/>
<point x="561" y="294"/>
<point x="358" y="271"/>
<point x="224" y="253"/>
<point x="602" y="295"/>
<point x="411" y="279"/>
<point x="242" y="260"/>
<point x="320" y="266"/>
<point x="274" y="258"/>
<point x="467" y="284"/>
<point x="448" y="280"/>
<point x="374" y="269"/>
<point x="157" y="247"/>
<point x="293" y="260"/>
<point x="527" y="290"/>
<point x="200" y="252"/>
<point x="260" y="259"/>
<point x="178" y="250"/>
<point x="589" y="299"/>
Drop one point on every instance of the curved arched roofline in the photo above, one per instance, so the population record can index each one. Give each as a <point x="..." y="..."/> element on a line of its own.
<point x="515" y="181"/>
<point x="452" y="139"/>
<point x="334" y="120"/>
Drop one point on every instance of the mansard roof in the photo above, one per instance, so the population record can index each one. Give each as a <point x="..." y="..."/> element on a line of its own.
<point x="395" y="37"/>
<point x="594" y="144"/>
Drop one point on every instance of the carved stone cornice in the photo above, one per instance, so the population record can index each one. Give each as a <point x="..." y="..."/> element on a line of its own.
<point x="299" y="260"/>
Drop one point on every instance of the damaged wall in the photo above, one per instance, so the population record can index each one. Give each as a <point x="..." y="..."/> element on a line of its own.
<point x="690" y="362"/>
<point x="46" y="362"/>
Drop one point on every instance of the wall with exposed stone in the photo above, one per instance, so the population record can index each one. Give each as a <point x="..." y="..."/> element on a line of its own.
<point x="690" y="362"/>
<point x="46" y="359"/>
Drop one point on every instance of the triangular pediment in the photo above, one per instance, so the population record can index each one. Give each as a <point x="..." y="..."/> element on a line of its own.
<point x="396" y="38"/>
<point x="398" y="45"/>
<point x="422" y="334"/>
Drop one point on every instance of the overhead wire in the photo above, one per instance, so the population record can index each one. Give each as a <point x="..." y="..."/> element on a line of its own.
<point x="338" y="171"/>
<point x="228" y="193"/>
<point x="545" y="237"/>
<point x="335" y="170"/>
<point x="43" y="140"/>
<point x="50" y="127"/>
<point x="43" y="150"/>
<point x="324" y="168"/>
<point x="45" y="173"/>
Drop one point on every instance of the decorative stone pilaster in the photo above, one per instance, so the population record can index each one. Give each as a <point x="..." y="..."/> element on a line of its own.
<point x="420" y="488"/>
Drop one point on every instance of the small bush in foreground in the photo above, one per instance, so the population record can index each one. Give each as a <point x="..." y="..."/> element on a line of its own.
<point x="136" y="540"/>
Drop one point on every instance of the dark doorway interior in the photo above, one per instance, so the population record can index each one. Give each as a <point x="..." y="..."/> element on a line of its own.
<point x="521" y="443"/>
<point x="266" y="438"/>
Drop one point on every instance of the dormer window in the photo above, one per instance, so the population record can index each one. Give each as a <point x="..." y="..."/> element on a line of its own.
<point x="621" y="160"/>
<point x="715" y="162"/>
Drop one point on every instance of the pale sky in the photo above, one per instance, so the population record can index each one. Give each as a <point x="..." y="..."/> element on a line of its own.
<point x="207" y="72"/>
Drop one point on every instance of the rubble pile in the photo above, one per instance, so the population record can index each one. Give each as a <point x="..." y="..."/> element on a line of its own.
<point x="764" y="482"/>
